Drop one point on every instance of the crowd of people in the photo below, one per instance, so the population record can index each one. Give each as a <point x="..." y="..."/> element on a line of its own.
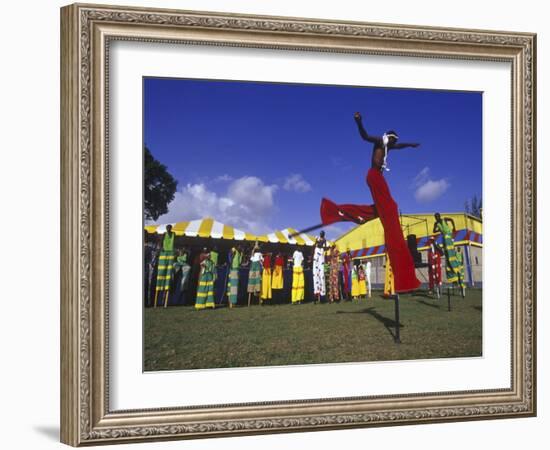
<point x="334" y="276"/>
<point x="187" y="271"/>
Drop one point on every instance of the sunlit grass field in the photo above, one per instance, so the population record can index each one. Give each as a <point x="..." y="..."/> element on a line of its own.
<point x="180" y="337"/>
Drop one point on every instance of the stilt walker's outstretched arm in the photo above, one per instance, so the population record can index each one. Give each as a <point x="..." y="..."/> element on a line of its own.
<point x="401" y="145"/>
<point x="363" y="132"/>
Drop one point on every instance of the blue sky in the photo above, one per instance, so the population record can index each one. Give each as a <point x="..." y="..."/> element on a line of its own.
<point x="260" y="156"/>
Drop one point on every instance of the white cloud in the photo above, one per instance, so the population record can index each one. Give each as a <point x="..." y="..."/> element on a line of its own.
<point x="247" y="204"/>
<point x="223" y="178"/>
<point x="427" y="190"/>
<point x="296" y="183"/>
<point x="422" y="177"/>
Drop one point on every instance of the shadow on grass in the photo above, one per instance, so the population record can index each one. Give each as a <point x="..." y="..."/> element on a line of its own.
<point x="388" y="323"/>
<point x="432" y="305"/>
<point x="421" y="294"/>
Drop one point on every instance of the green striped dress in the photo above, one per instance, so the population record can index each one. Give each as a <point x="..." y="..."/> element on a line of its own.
<point x="233" y="285"/>
<point x="165" y="268"/>
<point x="453" y="266"/>
<point x="205" y="291"/>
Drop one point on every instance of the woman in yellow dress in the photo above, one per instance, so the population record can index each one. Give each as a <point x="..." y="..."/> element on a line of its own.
<point x="277" y="281"/>
<point x="355" y="289"/>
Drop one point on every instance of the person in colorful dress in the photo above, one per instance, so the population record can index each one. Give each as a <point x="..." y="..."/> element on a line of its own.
<point x="318" y="267"/>
<point x="277" y="280"/>
<point x="297" y="277"/>
<point x="346" y="272"/>
<point x="460" y="260"/>
<point x="334" y="283"/>
<point x="255" y="273"/>
<point x="434" y="267"/>
<point x="205" y="291"/>
<point x="182" y="268"/>
<point x="452" y="266"/>
<point x="165" y="268"/>
<point x="384" y="208"/>
<point x="235" y="261"/>
<point x="266" y="293"/>
<point x="354" y="282"/>
<point x="362" y="281"/>
<point x="367" y="268"/>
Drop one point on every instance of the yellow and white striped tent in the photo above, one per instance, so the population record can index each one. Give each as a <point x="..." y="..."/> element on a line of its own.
<point x="204" y="228"/>
<point x="210" y="228"/>
<point x="283" y="237"/>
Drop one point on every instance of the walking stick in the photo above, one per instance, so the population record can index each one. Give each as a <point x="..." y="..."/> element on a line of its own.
<point x="156" y="297"/>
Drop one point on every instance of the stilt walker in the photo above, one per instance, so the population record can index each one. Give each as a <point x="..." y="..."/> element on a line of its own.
<point x="233" y="286"/>
<point x="346" y="272"/>
<point x="319" y="267"/>
<point x="205" y="291"/>
<point x="452" y="264"/>
<point x="165" y="268"/>
<point x="277" y="279"/>
<point x="334" y="284"/>
<point x="434" y="267"/>
<point x="297" y="277"/>
<point x="355" y="291"/>
<point x="266" y="293"/>
<point x="367" y="274"/>
<point x="255" y="274"/>
<point x="362" y="281"/>
<point x="384" y="207"/>
<point x="181" y="265"/>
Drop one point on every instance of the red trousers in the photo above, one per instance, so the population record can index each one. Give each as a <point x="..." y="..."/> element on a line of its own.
<point x="386" y="209"/>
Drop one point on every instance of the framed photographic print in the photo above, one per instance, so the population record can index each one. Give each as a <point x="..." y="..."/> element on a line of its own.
<point x="276" y="224"/>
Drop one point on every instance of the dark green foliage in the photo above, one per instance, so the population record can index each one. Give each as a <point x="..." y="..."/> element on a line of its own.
<point x="473" y="206"/>
<point x="159" y="187"/>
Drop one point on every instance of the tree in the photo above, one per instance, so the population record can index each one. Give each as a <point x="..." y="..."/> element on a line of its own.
<point x="159" y="187"/>
<point x="473" y="206"/>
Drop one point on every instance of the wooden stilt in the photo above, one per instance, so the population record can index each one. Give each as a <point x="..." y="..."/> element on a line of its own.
<point x="156" y="297"/>
<point x="249" y="295"/>
<point x="166" y="295"/>
<point x="397" y="330"/>
<point x="448" y="299"/>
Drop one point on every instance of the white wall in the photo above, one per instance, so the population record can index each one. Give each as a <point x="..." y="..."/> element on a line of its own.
<point x="29" y="177"/>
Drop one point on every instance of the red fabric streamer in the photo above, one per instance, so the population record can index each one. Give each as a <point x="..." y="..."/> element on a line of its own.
<point x="386" y="209"/>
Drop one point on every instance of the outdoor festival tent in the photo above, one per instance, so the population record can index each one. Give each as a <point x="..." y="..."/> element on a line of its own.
<point x="284" y="237"/>
<point x="204" y="228"/>
<point x="210" y="228"/>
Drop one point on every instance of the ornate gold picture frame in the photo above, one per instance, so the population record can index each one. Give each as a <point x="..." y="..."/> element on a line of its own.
<point x="87" y="31"/>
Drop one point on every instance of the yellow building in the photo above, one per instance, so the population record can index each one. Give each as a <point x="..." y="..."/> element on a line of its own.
<point x="367" y="241"/>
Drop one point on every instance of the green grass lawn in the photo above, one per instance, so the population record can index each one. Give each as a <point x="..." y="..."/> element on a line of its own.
<point x="182" y="338"/>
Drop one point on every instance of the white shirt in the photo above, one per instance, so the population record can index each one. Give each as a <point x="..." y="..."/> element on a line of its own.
<point x="298" y="258"/>
<point x="257" y="257"/>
